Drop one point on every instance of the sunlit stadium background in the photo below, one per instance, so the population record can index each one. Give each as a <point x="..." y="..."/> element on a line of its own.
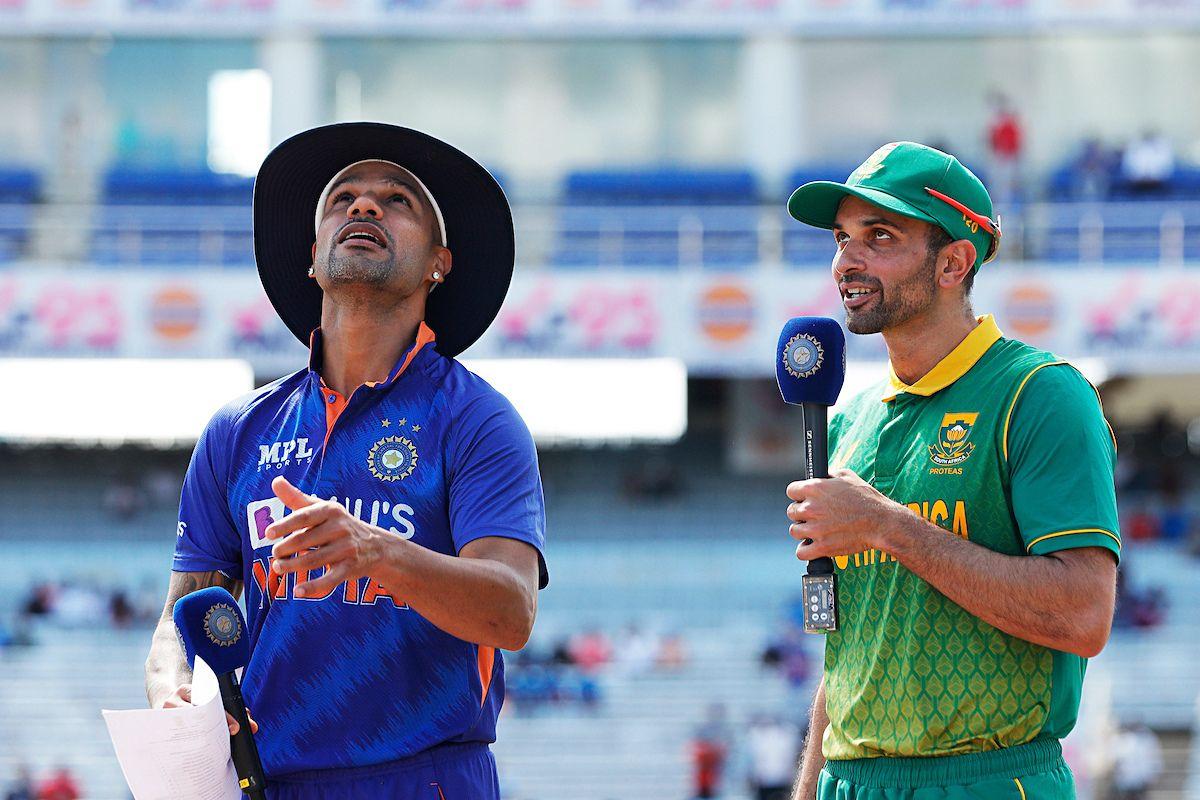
<point x="647" y="147"/>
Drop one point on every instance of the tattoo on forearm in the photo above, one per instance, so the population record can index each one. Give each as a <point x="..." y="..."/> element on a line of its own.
<point x="167" y="666"/>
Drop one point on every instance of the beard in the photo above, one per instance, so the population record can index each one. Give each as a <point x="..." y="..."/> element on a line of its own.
<point x="357" y="269"/>
<point x="900" y="303"/>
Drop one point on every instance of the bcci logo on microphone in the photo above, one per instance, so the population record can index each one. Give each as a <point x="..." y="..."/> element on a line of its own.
<point x="221" y="625"/>
<point x="952" y="445"/>
<point x="803" y="356"/>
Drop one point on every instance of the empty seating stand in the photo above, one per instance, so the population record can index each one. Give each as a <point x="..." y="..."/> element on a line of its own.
<point x="20" y="189"/>
<point x="664" y="219"/>
<point x="177" y="218"/>
<point x="804" y="245"/>
<point x="1115" y="232"/>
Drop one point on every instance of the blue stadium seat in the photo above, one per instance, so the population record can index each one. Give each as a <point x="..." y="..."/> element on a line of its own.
<point x="174" y="218"/>
<point x="20" y="189"/>
<point x="658" y="219"/>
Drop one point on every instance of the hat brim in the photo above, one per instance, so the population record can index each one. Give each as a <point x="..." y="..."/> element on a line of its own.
<point x="816" y="203"/>
<point x="479" y="226"/>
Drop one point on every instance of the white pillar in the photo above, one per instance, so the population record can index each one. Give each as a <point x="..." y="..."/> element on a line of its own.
<point x="770" y="96"/>
<point x="293" y="61"/>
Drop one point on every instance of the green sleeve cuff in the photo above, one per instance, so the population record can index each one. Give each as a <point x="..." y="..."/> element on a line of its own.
<point x="1080" y="537"/>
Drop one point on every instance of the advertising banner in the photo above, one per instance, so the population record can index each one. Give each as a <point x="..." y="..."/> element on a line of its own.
<point x="565" y="17"/>
<point x="1135" y="320"/>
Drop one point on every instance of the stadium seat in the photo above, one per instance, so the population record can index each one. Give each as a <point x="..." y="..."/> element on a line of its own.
<point x="658" y="219"/>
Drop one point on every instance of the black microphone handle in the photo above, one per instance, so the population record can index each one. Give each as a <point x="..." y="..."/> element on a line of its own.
<point x="816" y="462"/>
<point x="245" y="752"/>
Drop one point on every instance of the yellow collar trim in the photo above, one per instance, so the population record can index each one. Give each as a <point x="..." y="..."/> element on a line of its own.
<point x="952" y="367"/>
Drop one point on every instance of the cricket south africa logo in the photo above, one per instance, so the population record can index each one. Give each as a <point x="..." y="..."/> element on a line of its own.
<point x="803" y="356"/>
<point x="222" y="626"/>
<point x="953" y="445"/>
<point x="392" y="458"/>
<point x="873" y="164"/>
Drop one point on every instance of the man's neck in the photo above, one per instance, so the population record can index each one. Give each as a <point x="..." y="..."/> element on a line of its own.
<point x="917" y="346"/>
<point x="362" y="345"/>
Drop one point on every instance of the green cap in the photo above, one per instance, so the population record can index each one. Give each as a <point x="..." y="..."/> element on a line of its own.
<point x="916" y="181"/>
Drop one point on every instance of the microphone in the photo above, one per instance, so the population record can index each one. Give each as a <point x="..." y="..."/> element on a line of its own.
<point x="210" y="625"/>
<point x="810" y="368"/>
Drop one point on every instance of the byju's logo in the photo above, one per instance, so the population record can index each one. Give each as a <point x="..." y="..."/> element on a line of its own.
<point x="259" y="515"/>
<point x="279" y="454"/>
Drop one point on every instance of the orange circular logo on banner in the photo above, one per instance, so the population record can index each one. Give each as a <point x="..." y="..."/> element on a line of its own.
<point x="175" y="313"/>
<point x="726" y="313"/>
<point x="1029" y="310"/>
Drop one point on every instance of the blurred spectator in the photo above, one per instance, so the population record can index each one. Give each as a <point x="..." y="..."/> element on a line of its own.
<point x="590" y="650"/>
<point x="655" y="479"/>
<point x="1005" y="141"/>
<point x="40" y="602"/>
<point x="59" y="786"/>
<point x="120" y="610"/>
<point x="162" y="487"/>
<point x="635" y="651"/>
<point x="709" y="750"/>
<point x="80" y="605"/>
<point x="788" y="653"/>
<point x="1093" y="170"/>
<point x="1138" y="762"/>
<point x="122" y="500"/>
<point x="1148" y="163"/>
<point x="1137" y="607"/>
<point x="22" y="787"/>
<point x="672" y="654"/>
<point x="774" y="757"/>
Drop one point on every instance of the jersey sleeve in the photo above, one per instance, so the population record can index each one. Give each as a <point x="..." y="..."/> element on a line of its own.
<point x="207" y="538"/>
<point x="1061" y="456"/>
<point x="495" y="486"/>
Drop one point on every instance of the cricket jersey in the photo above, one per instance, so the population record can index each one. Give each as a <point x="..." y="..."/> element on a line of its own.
<point x="433" y="455"/>
<point x="1006" y="446"/>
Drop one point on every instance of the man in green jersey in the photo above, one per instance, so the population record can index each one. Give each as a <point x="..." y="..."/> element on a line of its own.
<point x="971" y="513"/>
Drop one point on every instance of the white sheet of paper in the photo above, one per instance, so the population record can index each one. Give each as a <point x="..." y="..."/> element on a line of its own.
<point x="170" y="753"/>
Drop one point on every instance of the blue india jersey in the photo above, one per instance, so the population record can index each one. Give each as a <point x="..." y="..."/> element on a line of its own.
<point x="434" y="455"/>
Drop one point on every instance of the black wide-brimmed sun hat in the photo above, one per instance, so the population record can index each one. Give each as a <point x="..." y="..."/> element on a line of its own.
<point x="478" y="224"/>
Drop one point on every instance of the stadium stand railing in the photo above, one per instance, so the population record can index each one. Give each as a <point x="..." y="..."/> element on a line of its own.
<point x="649" y="219"/>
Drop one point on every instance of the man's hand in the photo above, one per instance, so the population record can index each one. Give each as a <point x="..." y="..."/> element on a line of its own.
<point x="840" y="515"/>
<point x="322" y="533"/>
<point x="182" y="696"/>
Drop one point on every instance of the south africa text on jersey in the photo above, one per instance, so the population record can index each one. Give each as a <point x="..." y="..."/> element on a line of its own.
<point x="936" y="511"/>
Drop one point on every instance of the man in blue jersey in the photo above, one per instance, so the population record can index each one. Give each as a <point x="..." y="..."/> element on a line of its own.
<point x="382" y="508"/>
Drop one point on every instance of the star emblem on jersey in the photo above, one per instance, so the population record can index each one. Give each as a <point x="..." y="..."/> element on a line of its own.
<point x="221" y="625"/>
<point x="952" y="445"/>
<point x="392" y="458"/>
<point x="803" y="356"/>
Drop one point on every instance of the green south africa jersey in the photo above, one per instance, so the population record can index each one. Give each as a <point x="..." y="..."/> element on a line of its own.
<point x="1003" y="445"/>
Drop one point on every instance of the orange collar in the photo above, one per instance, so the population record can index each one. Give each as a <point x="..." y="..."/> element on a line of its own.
<point x="425" y="335"/>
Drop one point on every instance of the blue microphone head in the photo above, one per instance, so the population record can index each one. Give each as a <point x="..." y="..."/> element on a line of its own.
<point x="810" y="364"/>
<point x="210" y="625"/>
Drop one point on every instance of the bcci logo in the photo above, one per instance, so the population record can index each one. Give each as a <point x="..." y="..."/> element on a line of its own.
<point x="222" y="626"/>
<point x="393" y="458"/>
<point x="952" y="445"/>
<point x="802" y="356"/>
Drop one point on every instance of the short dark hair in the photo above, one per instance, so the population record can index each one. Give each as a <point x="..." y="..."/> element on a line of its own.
<point x="938" y="238"/>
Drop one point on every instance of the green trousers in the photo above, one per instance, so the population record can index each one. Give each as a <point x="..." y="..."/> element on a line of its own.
<point x="1032" y="771"/>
